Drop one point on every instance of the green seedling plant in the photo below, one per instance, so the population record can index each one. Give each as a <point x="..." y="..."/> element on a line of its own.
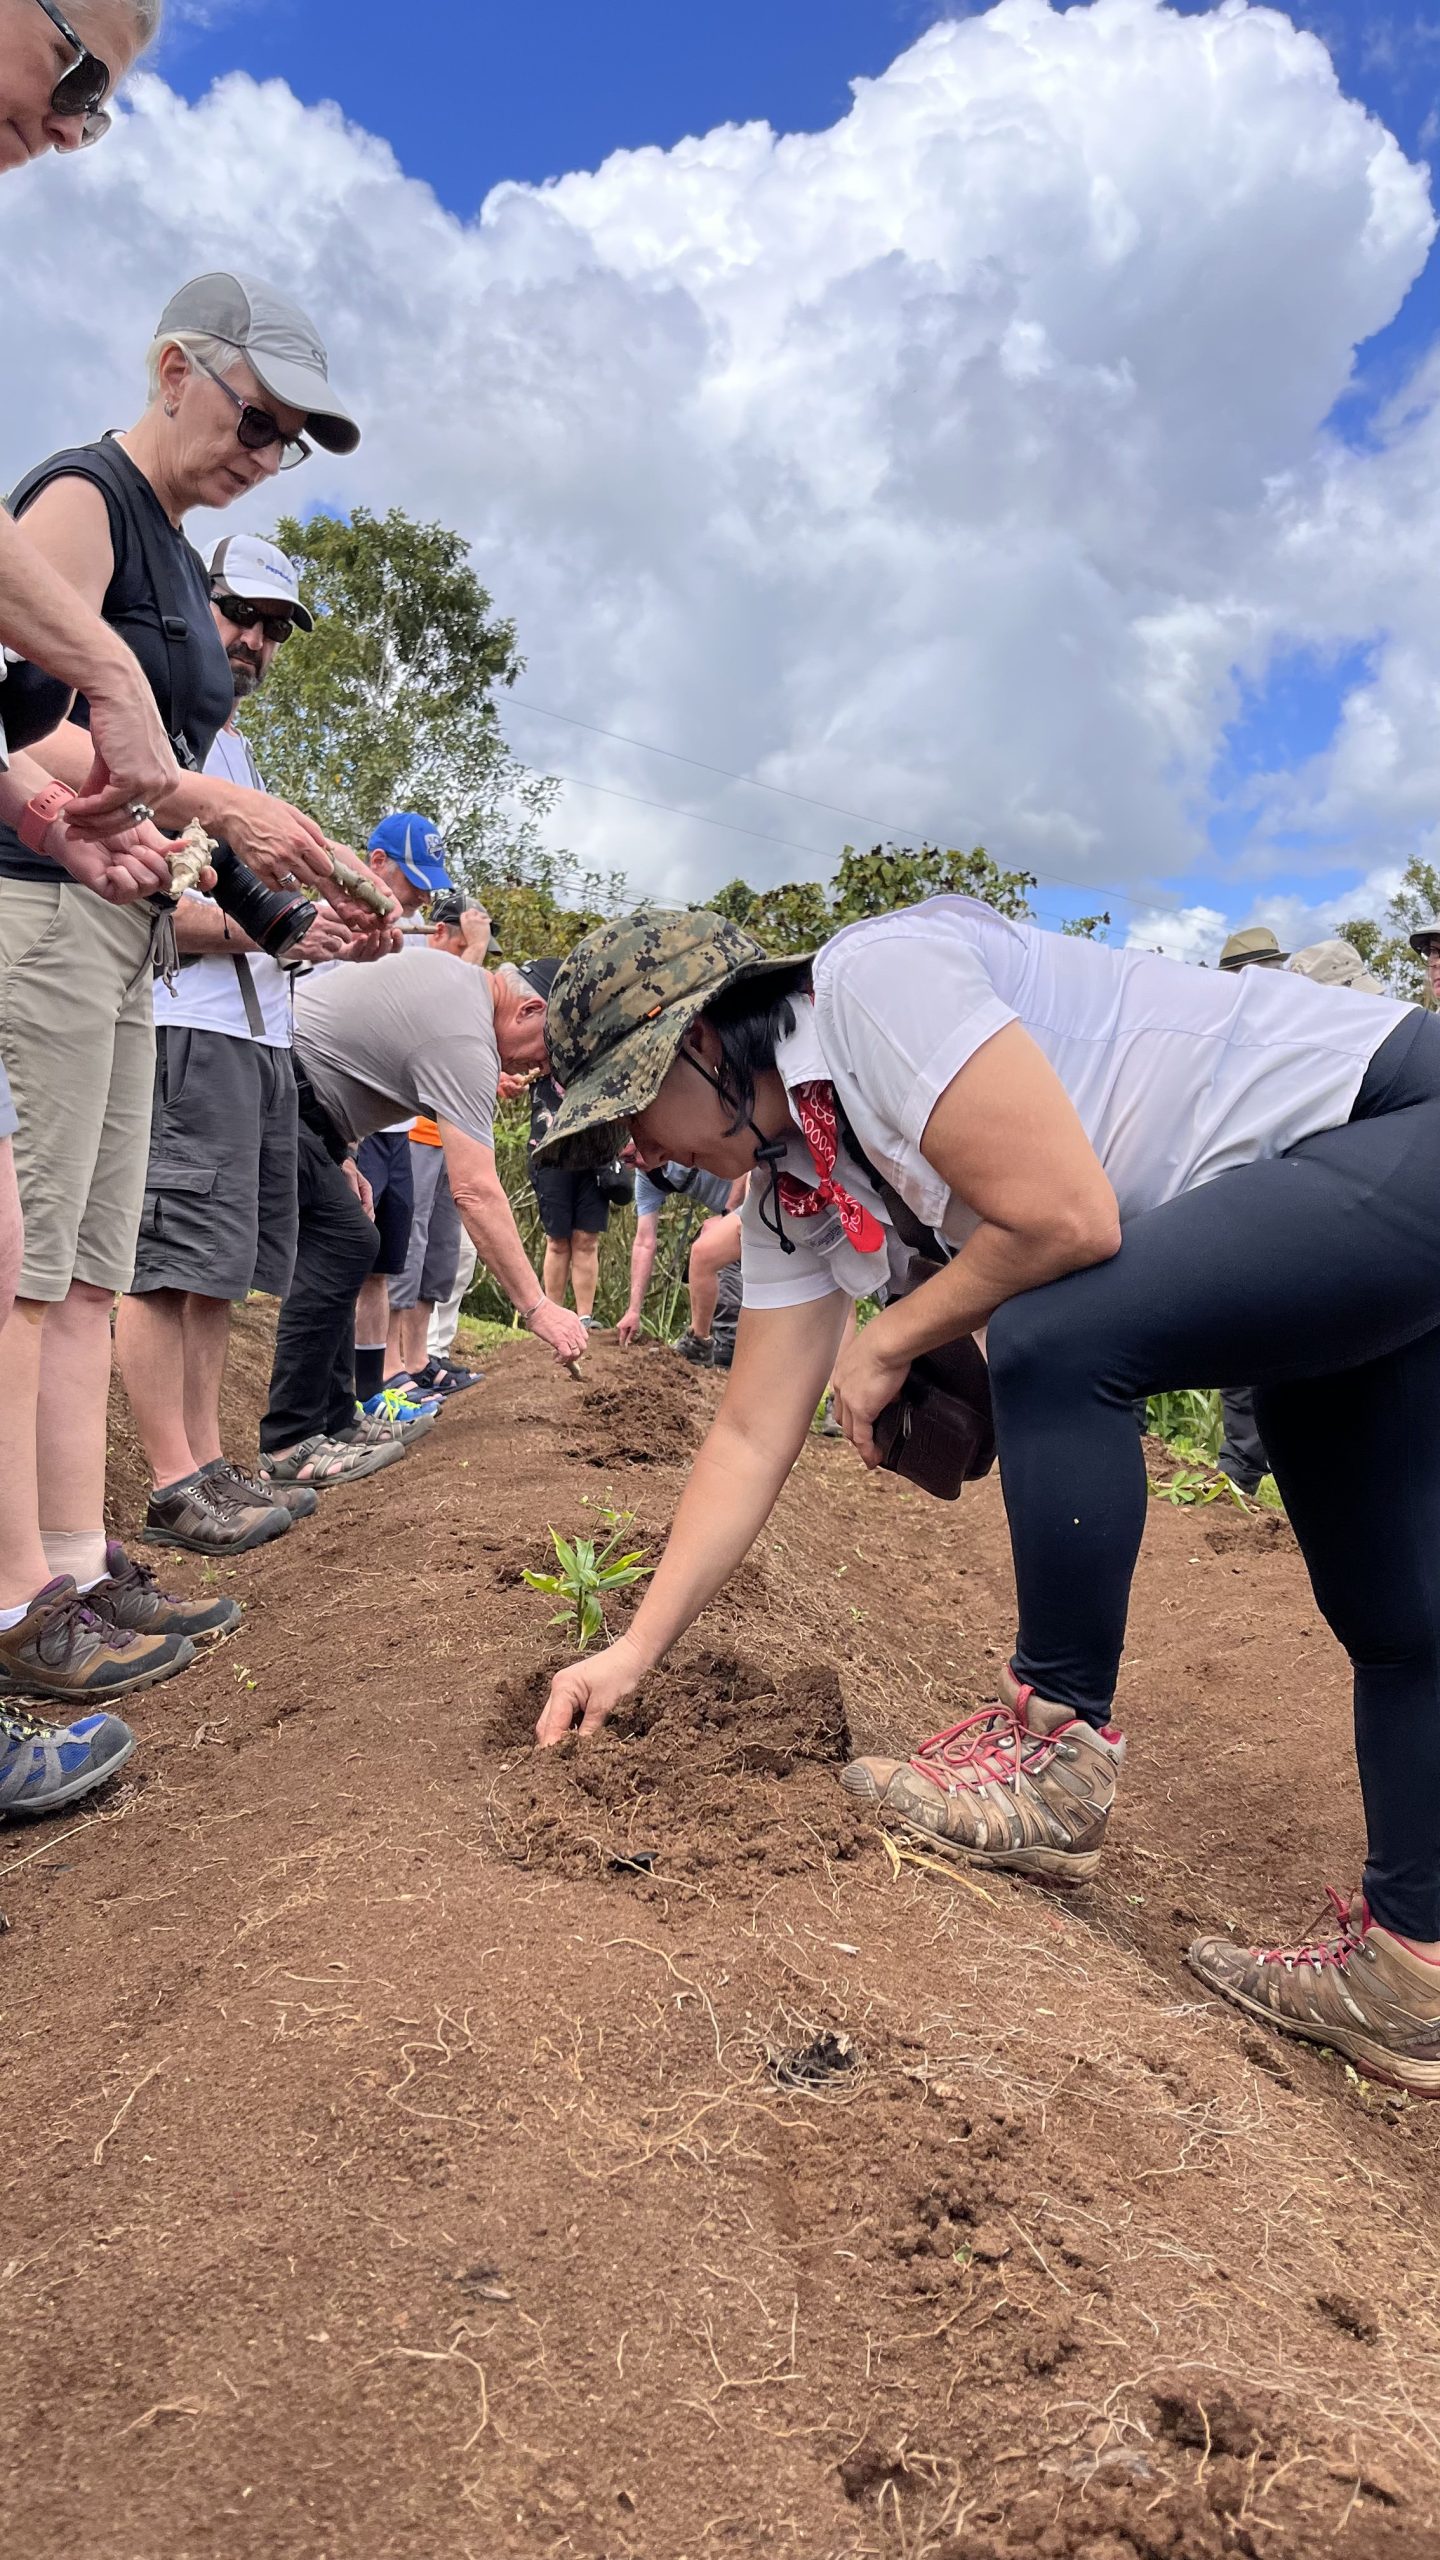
<point x="589" y="1573"/>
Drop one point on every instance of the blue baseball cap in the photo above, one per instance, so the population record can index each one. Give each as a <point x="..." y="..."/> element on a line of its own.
<point x="415" y="847"/>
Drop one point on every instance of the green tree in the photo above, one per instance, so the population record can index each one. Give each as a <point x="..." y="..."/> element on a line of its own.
<point x="392" y="703"/>
<point x="804" y="912"/>
<point x="1385" y="947"/>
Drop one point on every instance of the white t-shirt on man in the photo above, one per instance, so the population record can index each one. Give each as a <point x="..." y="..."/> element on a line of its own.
<point x="207" y="994"/>
<point x="1178" y="1074"/>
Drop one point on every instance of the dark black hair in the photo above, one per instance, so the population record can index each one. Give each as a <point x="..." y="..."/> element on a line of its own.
<point x="750" y="1021"/>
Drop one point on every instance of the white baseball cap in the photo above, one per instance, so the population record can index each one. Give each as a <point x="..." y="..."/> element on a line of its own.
<point x="262" y="572"/>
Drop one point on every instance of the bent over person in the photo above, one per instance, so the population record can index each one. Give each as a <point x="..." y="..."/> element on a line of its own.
<point x="421" y="1034"/>
<point x="1143" y="1174"/>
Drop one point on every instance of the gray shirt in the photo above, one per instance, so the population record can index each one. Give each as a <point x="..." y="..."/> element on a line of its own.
<point x="389" y="1039"/>
<point x="684" y="1182"/>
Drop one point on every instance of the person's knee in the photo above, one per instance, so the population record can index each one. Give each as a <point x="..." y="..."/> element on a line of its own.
<point x="89" y="1303"/>
<point x="1024" y="1347"/>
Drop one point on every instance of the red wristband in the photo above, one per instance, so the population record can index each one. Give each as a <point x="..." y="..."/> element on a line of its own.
<point x="39" y="815"/>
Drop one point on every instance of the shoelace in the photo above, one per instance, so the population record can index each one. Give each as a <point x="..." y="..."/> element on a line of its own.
<point x="993" y="1746"/>
<point x="74" y="1618"/>
<point x="1321" y="1952"/>
<point x="17" y="1728"/>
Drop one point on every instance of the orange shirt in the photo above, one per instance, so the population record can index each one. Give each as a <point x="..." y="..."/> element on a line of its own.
<point x="424" y="1133"/>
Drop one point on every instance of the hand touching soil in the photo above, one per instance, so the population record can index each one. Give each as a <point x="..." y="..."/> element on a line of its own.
<point x="588" y="1693"/>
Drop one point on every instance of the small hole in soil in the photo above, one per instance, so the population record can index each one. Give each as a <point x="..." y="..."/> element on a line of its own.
<point x="816" y="2065"/>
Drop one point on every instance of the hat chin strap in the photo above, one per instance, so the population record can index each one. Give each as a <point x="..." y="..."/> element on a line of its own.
<point x="769" y="1152"/>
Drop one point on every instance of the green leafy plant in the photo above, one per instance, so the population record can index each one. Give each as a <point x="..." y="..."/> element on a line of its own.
<point x="589" y="1573"/>
<point x="1191" y="1486"/>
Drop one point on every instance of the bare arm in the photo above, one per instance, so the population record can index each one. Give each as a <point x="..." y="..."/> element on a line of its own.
<point x="783" y="1357"/>
<point x="1007" y="1140"/>
<point x="44" y="616"/>
<point x="489" y="1221"/>
<point x="642" y="1265"/>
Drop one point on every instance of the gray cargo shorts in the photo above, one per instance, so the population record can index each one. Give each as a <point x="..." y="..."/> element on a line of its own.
<point x="221" y="1193"/>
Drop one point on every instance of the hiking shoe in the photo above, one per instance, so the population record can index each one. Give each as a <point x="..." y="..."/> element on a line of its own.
<point x="400" y="1397"/>
<point x="66" y="1648"/>
<point x="829" y="1425"/>
<point x="437" y="1378"/>
<point x="297" y="1499"/>
<point x="321" y="1461"/>
<point x="1355" y="1988"/>
<point x="130" y="1597"/>
<point x="375" y="1424"/>
<point x="701" y="1355"/>
<point x="45" y="1766"/>
<point x="207" y="1519"/>
<point x="1027" y="1787"/>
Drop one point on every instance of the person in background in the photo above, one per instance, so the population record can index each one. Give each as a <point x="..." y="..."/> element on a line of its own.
<point x="407" y="853"/>
<point x="1426" y="941"/>
<point x="720" y="1201"/>
<point x="221" y="1209"/>
<point x="1253" y="947"/>
<point x="574" y="1211"/>
<point x="436" y="1235"/>
<point x="1336" y="963"/>
<point x="421" y="1034"/>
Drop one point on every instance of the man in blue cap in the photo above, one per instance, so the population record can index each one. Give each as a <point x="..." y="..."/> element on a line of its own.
<point x="408" y="853"/>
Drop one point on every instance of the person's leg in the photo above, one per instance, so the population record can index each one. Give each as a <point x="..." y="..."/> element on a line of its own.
<point x="409" y="1336"/>
<point x="12" y="1231"/>
<point x="446" y="1321"/>
<point x="556" y="1275"/>
<point x="207" y="1341"/>
<point x="71" y="1417"/>
<point x="1242" y="1451"/>
<point x="405" y="1350"/>
<point x="1357" y="1460"/>
<point x="584" y="1270"/>
<point x="23" y="1568"/>
<point x="715" y="1247"/>
<point x="1280" y="1271"/>
<point x="150" y="1342"/>
<point x="337" y="1245"/>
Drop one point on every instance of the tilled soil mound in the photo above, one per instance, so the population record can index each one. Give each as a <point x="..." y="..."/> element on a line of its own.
<point x="417" y="2146"/>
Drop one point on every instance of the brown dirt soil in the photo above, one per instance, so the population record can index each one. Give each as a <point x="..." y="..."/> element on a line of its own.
<point x="418" y="2148"/>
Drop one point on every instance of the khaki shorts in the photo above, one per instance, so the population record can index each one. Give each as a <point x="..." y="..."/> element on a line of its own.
<point x="77" y="1043"/>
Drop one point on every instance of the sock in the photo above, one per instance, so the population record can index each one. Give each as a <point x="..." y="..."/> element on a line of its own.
<point x="80" y="1552"/>
<point x="11" y="1617"/>
<point x="369" y="1369"/>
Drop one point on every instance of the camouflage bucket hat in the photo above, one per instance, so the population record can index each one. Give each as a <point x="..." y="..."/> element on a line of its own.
<point x="619" y="1009"/>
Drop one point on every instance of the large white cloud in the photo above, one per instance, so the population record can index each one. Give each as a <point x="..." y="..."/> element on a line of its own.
<point x="947" y="465"/>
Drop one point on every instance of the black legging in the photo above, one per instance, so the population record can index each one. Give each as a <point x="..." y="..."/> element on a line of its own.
<point x="1315" y="1278"/>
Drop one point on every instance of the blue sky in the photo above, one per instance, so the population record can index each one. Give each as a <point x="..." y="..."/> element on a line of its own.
<point x="476" y="92"/>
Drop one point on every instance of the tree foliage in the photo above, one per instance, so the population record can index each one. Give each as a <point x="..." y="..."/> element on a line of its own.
<point x="805" y="912"/>
<point x="392" y="702"/>
<point x="1385" y="947"/>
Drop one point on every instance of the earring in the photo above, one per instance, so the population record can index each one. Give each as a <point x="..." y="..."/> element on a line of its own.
<point x="171" y="409"/>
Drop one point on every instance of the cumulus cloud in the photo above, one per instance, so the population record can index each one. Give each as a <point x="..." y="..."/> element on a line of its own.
<point x="950" y="466"/>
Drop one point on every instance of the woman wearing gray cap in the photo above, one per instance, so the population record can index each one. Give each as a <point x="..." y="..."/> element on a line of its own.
<point x="239" y="388"/>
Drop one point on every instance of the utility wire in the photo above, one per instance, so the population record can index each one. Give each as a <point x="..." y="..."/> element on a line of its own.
<point x="752" y="782"/>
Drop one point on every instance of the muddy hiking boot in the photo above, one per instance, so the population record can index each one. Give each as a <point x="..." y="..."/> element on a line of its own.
<point x="44" y="1767"/>
<point x="202" y="1515"/>
<point x="67" y="1648"/>
<point x="1028" y="1787"/>
<point x="300" y="1500"/>
<point x="131" y="1597"/>
<point x="700" y="1354"/>
<point x="1355" y="1988"/>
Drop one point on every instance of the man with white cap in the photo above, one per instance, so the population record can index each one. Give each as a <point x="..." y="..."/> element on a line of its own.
<point x="221" y="1200"/>
<point x="1426" y="941"/>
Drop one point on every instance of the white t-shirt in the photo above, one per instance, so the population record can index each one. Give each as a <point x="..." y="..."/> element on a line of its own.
<point x="1178" y="1074"/>
<point x="207" y="995"/>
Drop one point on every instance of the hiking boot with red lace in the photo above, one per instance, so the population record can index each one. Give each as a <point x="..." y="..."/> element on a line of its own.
<point x="1356" y="1988"/>
<point x="1026" y="1786"/>
<point x="65" y="1648"/>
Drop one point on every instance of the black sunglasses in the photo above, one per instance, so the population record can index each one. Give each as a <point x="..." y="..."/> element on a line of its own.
<point x="85" y="86"/>
<point x="255" y="428"/>
<point x="276" y="625"/>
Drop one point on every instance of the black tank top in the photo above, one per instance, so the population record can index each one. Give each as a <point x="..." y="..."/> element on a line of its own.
<point x="206" y="694"/>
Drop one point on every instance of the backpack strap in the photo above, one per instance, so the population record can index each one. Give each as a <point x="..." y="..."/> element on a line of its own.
<point x="912" y="1231"/>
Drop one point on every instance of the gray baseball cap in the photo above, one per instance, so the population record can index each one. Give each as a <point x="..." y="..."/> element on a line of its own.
<point x="279" y="343"/>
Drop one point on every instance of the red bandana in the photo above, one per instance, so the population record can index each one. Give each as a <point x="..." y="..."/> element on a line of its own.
<point x="814" y="1106"/>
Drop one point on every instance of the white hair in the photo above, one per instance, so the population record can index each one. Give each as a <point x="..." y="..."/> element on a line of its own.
<point x="147" y="15"/>
<point x="191" y="342"/>
<point x="517" y="982"/>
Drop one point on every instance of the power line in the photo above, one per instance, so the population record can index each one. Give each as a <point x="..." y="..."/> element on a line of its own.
<point x="753" y="782"/>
